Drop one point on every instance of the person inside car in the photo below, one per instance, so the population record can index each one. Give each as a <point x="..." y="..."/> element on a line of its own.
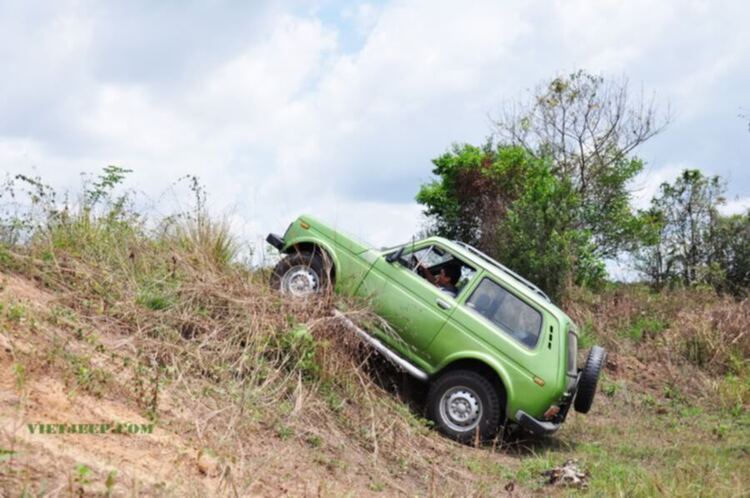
<point x="446" y="280"/>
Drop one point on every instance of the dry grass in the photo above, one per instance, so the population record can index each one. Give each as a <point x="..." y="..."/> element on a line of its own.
<point x="164" y="322"/>
<point x="689" y="343"/>
<point x="256" y="395"/>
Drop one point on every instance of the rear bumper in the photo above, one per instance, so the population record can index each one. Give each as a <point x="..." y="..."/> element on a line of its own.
<point x="543" y="427"/>
<point x="536" y="427"/>
<point x="275" y="240"/>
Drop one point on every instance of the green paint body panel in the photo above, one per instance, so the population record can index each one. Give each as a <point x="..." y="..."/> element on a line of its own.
<point x="433" y="338"/>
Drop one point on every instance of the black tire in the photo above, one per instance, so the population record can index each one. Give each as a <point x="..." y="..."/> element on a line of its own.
<point x="474" y="386"/>
<point x="308" y="264"/>
<point x="589" y="378"/>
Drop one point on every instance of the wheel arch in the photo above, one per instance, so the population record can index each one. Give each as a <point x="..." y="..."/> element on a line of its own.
<point x="494" y="372"/>
<point x="316" y="247"/>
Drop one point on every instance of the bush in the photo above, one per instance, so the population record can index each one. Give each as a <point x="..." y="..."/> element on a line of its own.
<point x="512" y="206"/>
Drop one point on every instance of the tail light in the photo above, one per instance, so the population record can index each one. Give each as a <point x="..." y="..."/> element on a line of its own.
<point x="572" y="352"/>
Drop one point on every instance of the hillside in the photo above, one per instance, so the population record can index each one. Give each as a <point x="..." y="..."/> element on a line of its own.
<point x="104" y="322"/>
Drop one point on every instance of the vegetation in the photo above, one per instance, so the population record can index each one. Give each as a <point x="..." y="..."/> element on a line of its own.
<point x="693" y="243"/>
<point x="559" y="226"/>
<point x="508" y="202"/>
<point x="552" y="199"/>
<point x="107" y="315"/>
<point x="157" y="320"/>
<point x="589" y="127"/>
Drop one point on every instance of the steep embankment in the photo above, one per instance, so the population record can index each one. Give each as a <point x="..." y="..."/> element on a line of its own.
<point x="240" y="403"/>
<point x="168" y="332"/>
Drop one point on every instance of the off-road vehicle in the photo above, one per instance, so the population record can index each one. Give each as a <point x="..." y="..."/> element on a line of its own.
<point x="491" y="346"/>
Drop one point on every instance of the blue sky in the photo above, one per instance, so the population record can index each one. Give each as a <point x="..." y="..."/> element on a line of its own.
<point x="336" y="108"/>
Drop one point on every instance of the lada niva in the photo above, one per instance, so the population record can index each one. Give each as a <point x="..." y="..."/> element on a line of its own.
<point x="491" y="346"/>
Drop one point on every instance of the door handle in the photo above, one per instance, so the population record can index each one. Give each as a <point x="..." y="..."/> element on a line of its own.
<point x="443" y="304"/>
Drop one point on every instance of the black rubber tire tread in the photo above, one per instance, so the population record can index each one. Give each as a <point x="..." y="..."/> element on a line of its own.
<point x="492" y="414"/>
<point x="589" y="379"/>
<point x="313" y="260"/>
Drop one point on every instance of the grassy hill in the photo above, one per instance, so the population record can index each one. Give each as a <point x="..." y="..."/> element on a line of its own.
<point x="105" y="319"/>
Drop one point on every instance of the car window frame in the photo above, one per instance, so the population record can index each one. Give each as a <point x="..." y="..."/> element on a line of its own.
<point x="423" y="244"/>
<point x="486" y="275"/>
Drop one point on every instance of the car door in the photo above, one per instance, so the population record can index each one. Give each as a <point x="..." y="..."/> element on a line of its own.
<point x="503" y="320"/>
<point x="414" y="308"/>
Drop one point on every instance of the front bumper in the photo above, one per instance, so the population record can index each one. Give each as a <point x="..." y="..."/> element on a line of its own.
<point x="275" y="240"/>
<point x="536" y="427"/>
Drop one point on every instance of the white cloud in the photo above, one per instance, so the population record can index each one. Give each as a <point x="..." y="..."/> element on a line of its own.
<point x="646" y="185"/>
<point x="278" y="117"/>
<point x="739" y="205"/>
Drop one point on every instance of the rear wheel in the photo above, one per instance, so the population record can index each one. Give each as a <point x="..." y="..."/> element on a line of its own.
<point x="464" y="405"/>
<point x="301" y="274"/>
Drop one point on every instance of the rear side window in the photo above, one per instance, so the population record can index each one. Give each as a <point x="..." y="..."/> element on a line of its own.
<point x="509" y="313"/>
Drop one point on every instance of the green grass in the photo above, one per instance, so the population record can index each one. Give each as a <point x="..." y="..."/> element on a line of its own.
<point x="632" y="451"/>
<point x="643" y="327"/>
<point x="15" y="312"/>
<point x="154" y="301"/>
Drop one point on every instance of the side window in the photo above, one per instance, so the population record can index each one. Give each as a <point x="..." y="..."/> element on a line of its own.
<point x="467" y="273"/>
<point x="429" y="256"/>
<point x="434" y="260"/>
<point x="509" y="313"/>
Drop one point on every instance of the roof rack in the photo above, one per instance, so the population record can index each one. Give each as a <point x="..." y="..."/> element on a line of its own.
<point x="503" y="268"/>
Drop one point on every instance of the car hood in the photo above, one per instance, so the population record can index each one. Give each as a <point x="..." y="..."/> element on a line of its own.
<point x="339" y="237"/>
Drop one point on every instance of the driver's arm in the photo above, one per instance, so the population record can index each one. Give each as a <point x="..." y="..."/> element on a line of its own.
<point x="426" y="273"/>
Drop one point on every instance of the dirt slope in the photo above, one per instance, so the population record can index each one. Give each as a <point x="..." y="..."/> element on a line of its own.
<point x="657" y="428"/>
<point x="45" y="381"/>
<point x="168" y="461"/>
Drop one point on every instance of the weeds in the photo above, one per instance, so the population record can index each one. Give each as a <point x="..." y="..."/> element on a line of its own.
<point x="205" y="331"/>
<point x="19" y="372"/>
<point x="206" y="337"/>
<point x="15" y="313"/>
<point x="110" y="481"/>
<point x="6" y="454"/>
<point x="691" y="334"/>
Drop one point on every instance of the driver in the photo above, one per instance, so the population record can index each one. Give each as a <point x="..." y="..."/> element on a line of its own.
<point x="446" y="280"/>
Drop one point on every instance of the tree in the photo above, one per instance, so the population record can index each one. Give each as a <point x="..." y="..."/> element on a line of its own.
<point x="685" y="214"/>
<point x="589" y="127"/>
<point x="731" y="253"/>
<point x="511" y="205"/>
<point x="552" y="199"/>
<point x="473" y="190"/>
<point x="536" y="237"/>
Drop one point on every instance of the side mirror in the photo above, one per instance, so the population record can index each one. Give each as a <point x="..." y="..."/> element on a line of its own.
<point x="395" y="256"/>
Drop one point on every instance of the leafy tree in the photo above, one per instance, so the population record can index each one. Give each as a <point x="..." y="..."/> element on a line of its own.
<point x="473" y="190"/>
<point x="537" y="239"/>
<point x="514" y="207"/>
<point x="685" y="214"/>
<point x="731" y="253"/>
<point x="589" y="126"/>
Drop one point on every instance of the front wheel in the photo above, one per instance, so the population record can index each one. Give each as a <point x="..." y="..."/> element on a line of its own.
<point x="465" y="405"/>
<point x="300" y="275"/>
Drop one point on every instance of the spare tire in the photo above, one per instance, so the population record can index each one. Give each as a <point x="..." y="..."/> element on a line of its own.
<point x="588" y="379"/>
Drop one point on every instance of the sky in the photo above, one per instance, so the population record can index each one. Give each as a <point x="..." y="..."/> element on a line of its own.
<point x="336" y="108"/>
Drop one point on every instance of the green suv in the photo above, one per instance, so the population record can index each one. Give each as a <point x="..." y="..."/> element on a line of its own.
<point x="492" y="346"/>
